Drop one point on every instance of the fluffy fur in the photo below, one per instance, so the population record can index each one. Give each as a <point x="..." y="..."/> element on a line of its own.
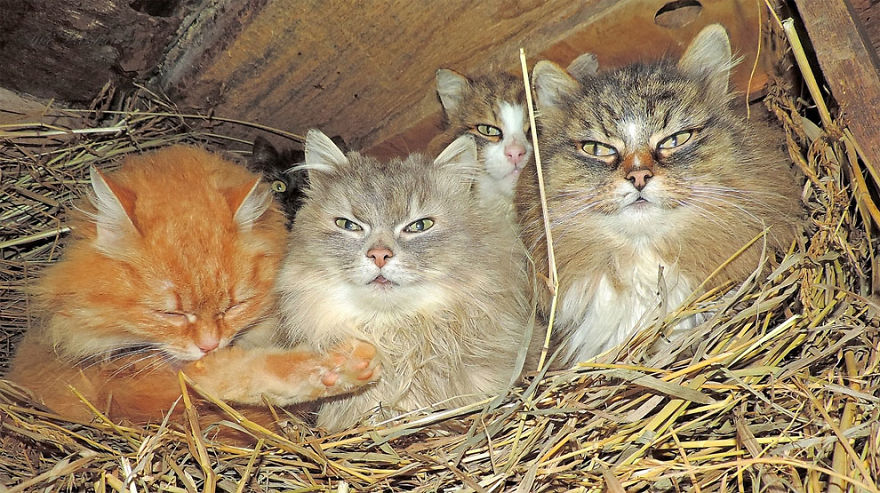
<point x="653" y="181"/>
<point x="172" y="260"/>
<point x="493" y="110"/>
<point x="402" y="255"/>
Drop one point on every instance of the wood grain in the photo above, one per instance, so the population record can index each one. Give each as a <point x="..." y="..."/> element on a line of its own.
<point x="365" y="70"/>
<point x="850" y="67"/>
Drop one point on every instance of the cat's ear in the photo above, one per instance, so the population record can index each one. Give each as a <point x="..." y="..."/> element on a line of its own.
<point x="249" y="200"/>
<point x="264" y="155"/>
<point x="321" y="153"/>
<point x="584" y="66"/>
<point x="461" y="155"/>
<point x="114" y="218"/>
<point x="451" y="87"/>
<point x="709" y="57"/>
<point x="552" y="84"/>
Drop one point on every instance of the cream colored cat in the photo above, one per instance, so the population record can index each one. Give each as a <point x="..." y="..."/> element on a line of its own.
<point x="653" y="181"/>
<point x="401" y="254"/>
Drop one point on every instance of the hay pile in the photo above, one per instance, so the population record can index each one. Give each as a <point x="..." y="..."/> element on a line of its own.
<point x="780" y="394"/>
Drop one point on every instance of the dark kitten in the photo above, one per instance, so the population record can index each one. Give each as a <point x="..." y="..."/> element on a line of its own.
<point x="276" y="167"/>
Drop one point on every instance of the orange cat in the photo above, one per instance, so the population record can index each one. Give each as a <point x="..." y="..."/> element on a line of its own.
<point x="172" y="262"/>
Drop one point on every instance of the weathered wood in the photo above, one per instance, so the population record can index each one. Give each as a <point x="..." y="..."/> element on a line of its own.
<point x="365" y="70"/>
<point x="69" y="50"/>
<point x="850" y="67"/>
<point x="869" y="15"/>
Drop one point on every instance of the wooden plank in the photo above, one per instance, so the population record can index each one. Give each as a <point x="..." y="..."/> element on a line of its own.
<point x="850" y="67"/>
<point x="365" y="70"/>
<point x="868" y="12"/>
<point x="68" y="50"/>
<point x="362" y="70"/>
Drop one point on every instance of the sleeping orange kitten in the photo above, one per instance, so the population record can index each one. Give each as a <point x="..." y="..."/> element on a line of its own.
<point x="172" y="262"/>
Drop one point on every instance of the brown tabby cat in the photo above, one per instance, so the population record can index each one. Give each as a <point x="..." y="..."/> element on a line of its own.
<point x="173" y="261"/>
<point x="653" y="180"/>
<point x="402" y="254"/>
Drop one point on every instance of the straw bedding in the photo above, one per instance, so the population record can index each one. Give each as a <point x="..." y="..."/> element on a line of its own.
<point x="778" y="392"/>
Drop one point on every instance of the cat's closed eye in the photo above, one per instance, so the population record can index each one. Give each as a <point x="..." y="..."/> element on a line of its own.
<point x="175" y="318"/>
<point x="236" y="309"/>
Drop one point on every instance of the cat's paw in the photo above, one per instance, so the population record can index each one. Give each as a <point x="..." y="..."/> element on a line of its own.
<point x="350" y="364"/>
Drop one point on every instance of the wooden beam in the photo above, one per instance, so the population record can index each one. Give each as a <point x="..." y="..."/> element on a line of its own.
<point x="365" y="70"/>
<point x="850" y="66"/>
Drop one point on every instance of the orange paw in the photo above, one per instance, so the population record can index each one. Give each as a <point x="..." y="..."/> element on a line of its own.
<point x="351" y="364"/>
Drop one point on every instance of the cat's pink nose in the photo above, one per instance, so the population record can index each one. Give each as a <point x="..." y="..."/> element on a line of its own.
<point x="515" y="153"/>
<point x="639" y="178"/>
<point x="380" y="255"/>
<point x="208" y="343"/>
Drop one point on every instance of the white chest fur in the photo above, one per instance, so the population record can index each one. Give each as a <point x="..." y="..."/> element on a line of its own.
<point x="596" y="313"/>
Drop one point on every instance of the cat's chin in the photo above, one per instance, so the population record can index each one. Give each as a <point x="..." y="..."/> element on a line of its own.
<point x="640" y="204"/>
<point x="393" y="299"/>
<point x="381" y="284"/>
<point x="640" y="209"/>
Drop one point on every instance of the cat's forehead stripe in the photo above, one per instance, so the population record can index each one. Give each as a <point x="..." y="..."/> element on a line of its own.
<point x="632" y="131"/>
<point x="512" y="116"/>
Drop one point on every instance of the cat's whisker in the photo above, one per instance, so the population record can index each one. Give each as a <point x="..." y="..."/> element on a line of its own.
<point x="112" y="355"/>
<point x="719" y="204"/>
<point x="697" y="186"/>
<point x="577" y="213"/>
<point x="703" y="213"/>
<point x="572" y="192"/>
<point x="746" y="206"/>
<point x="722" y="200"/>
<point x="737" y="194"/>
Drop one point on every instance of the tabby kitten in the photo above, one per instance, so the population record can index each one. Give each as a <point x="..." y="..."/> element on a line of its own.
<point x="493" y="110"/>
<point x="279" y="170"/>
<point x="653" y="180"/>
<point x="402" y="254"/>
<point x="172" y="261"/>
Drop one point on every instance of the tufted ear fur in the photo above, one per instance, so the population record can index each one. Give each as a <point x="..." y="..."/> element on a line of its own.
<point x="450" y="87"/>
<point x="461" y="155"/>
<point x="709" y="57"/>
<point x="249" y="201"/>
<point x="552" y="84"/>
<point x="115" y="212"/>
<point x="584" y="66"/>
<point x="321" y="153"/>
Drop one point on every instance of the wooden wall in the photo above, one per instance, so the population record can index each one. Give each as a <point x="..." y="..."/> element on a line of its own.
<point x="362" y="70"/>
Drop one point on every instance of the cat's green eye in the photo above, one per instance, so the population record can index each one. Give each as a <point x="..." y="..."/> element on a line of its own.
<point x="348" y="225"/>
<point x="279" y="186"/>
<point x="488" y="130"/>
<point x="677" y="139"/>
<point x="598" y="149"/>
<point x="419" y="226"/>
